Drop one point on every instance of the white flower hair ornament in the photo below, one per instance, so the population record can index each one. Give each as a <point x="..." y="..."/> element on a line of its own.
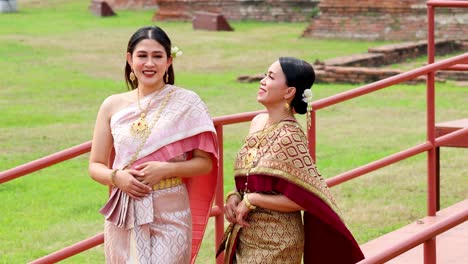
<point x="307" y="96"/>
<point x="176" y="52"/>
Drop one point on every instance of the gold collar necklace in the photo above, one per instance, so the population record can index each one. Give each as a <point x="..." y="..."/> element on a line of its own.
<point x="140" y="126"/>
<point x="262" y="134"/>
<point x="252" y="158"/>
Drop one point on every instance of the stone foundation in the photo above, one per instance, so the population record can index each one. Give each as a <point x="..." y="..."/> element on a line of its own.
<point x="396" y="53"/>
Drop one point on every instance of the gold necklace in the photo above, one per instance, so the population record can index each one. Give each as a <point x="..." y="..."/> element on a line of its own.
<point x="140" y="127"/>
<point x="156" y="118"/>
<point x="252" y="152"/>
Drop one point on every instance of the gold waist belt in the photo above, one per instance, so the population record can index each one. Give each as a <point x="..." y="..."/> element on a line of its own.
<point x="167" y="183"/>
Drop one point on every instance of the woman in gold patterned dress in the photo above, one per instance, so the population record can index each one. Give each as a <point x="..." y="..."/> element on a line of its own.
<point x="276" y="179"/>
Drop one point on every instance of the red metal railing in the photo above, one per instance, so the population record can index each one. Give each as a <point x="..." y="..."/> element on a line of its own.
<point x="418" y="238"/>
<point x="83" y="148"/>
<point x="220" y="122"/>
<point x="427" y="236"/>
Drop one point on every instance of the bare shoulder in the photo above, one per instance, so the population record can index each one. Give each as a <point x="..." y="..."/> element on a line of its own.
<point x="115" y="102"/>
<point x="258" y="122"/>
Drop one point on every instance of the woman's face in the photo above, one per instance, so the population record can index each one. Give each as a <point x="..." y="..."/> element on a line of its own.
<point x="149" y="62"/>
<point x="273" y="88"/>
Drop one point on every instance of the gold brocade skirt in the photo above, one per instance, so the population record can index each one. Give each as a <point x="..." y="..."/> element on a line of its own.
<point x="272" y="237"/>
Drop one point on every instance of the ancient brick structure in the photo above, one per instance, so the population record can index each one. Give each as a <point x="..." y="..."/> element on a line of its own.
<point x="396" y="53"/>
<point x="259" y="10"/>
<point x="132" y="4"/>
<point x="101" y="8"/>
<point x="384" y="20"/>
<point x="367" y="67"/>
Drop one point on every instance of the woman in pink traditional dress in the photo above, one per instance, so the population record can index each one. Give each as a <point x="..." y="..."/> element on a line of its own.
<point x="276" y="179"/>
<point x="156" y="146"/>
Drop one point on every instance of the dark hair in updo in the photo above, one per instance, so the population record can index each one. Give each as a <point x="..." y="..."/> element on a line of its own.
<point x="299" y="74"/>
<point x="157" y="34"/>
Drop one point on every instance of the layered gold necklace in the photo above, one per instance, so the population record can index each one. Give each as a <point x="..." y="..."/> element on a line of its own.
<point x="252" y="152"/>
<point x="145" y="136"/>
<point x="139" y="127"/>
<point x="253" y="156"/>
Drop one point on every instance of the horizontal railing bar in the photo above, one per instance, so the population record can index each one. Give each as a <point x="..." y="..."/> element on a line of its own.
<point x="236" y="118"/>
<point x="44" y="162"/>
<point x="442" y="140"/>
<point x="71" y="250"/>
<point x="444" y="3"/>
<point x="458" y="67"/>
<point x="396" y="79"/>
<point x="346" y="176"/>
<point x="418" y="238"/>
<point x="83" y="148"/>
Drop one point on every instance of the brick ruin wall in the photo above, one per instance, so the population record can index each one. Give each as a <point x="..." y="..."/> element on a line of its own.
<point x="258" y="10"/>
<point x="345" y="19"/>
<point x="384" y="20"/>
<point x="132" y="4"/>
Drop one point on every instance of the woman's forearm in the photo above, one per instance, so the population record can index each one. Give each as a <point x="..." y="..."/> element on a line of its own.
<point x="100" y="173"/>
<point x="201" y="163"/>
<point x="279" y="203"/>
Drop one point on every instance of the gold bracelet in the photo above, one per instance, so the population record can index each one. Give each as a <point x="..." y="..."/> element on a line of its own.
<point x="112" y="176"/>
<point x="236" y="193"/>
<point x="247" y="202"/>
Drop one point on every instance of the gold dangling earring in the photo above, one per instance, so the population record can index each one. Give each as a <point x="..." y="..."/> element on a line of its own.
<point x="166" y="77"/>
<point x="287" y="107"/>
<point x="132" y="76"/>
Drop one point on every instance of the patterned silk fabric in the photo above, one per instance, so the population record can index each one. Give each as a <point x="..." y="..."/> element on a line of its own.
<point x="158" y="228"/>
<point x="165" y="240"/>
<point x="283" y="153"/>
<point x="271" y="237"/>
<point x="277" y="161"/>
<point x="185" y="115"/>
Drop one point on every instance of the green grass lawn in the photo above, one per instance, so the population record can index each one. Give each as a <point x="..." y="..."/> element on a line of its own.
<point x="59" y="62"/>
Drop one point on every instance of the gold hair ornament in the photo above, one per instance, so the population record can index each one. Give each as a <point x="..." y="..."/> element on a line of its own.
<point x="307" y="98"/>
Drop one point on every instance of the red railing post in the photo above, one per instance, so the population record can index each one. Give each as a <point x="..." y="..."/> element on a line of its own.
<point x="219" y="200"/>
<point x="430" y="245"/>
<point x="431" y="162"/>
